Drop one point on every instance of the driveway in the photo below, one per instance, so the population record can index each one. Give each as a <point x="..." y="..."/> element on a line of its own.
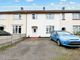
<point x="39" y="49"/>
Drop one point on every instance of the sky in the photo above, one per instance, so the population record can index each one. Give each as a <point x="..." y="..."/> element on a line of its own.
<point x="11" y="5"/>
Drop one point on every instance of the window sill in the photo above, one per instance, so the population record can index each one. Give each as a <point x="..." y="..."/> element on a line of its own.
<point x="50" y="19"/>
<point x="2" y="19"/>
<point x="63" y="19"/>
<point x="75" y="19"/>
<point x="17" y="19"/>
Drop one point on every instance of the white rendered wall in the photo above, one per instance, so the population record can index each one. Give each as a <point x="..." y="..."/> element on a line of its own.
<point x="27" y="22"/>
<point x="8" y="23"/>
<point x="41" y="22"/>
<point x="69" y="22"/>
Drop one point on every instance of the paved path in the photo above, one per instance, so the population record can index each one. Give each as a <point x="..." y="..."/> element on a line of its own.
<point x="38" y="49"/>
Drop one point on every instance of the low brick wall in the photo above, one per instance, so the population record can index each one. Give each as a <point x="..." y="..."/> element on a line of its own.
<point x="8" y="40"/>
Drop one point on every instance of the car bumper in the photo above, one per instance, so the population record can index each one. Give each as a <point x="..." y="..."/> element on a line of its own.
<point x="72" y="44"/>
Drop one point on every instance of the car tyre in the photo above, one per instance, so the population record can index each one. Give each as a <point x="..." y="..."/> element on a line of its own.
<point x="59" y="43"/>
<point x="50" y="38"/>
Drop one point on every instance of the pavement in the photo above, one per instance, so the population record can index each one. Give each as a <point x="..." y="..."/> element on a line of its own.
<point x="39" y="49"/>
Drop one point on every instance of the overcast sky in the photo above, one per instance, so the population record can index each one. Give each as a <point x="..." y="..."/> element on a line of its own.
<point x="10" y="5"/>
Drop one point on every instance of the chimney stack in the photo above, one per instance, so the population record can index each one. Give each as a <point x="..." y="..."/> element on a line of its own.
<point x="63" y="8"/>
<point x="22" y="9"/>
<point x="43" y="8"/>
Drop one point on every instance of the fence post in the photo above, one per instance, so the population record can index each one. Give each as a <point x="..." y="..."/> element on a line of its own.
<point x="11" y="39"/>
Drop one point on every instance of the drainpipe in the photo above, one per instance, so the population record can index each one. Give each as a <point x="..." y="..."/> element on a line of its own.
<point x="62" y="17"/>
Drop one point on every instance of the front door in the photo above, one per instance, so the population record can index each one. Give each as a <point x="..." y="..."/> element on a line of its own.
<point x="34" y="31"/>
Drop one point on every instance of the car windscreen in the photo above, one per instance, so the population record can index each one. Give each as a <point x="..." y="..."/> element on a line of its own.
<point x="64" y="33"/>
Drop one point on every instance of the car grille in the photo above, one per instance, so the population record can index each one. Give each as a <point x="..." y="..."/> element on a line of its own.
<point x="74" y="39"/>
<point x="74" y="43"/>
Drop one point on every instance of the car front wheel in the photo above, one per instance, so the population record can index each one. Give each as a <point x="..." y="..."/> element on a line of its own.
<point x="50" y="38"/>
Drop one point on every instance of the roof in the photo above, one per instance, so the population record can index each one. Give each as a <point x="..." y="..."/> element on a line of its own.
<point x="39" y="11"/>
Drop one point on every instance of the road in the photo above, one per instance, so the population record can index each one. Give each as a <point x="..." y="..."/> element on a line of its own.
<point x="39" y="49"/>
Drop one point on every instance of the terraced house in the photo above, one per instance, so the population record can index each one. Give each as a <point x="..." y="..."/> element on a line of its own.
<point x="40" y="23"/>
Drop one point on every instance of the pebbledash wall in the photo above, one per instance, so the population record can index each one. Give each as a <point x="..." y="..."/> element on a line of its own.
<point x="40" y="23"/>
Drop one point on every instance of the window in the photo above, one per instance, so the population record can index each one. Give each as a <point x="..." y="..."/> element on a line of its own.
<point x="2" y="17"/>
<point x="16" y="29"/>
<point x="34" y="16"/>
<point x="50" y="16"/>
<point x="76" y="29"/>
<point x="49" y="29"/>
<point x="19" y="29"/>
<point x="17" y="17"/>
<point x="76" y="16"/>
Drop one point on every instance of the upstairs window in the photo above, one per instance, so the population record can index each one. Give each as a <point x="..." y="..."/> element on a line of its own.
<point x="76" y="16"/>
<point x="17" y="17"/>
<point x="34" y="16"/>
<point x="2" y="17"/>
<point x="50" y="16"/>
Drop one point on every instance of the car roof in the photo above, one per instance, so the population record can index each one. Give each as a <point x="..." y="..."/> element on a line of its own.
<point x="59" y="31"/>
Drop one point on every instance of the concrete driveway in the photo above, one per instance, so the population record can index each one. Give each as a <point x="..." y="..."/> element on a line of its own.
<point x="39" y="49"/>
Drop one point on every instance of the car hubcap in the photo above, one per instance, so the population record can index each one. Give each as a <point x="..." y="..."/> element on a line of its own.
<point x="58" y="42"/>
<point x="50" y="38"/>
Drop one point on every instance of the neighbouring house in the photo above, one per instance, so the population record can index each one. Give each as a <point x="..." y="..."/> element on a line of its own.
<point x="40" y="23"/>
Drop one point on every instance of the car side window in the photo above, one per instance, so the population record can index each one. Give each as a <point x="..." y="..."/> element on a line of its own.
<point x="54" y="33"/>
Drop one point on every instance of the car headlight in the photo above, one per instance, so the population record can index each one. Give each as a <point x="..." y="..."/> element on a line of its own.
<point x="62" y="38"/>
<point x="65" y="38"/>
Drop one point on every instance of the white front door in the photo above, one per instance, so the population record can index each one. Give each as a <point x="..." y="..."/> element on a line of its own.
<point x="34" y="31"/>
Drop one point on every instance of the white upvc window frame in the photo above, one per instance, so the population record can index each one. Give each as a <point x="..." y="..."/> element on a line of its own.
<point x="50" y="16"/>
<point x="49" y="29"/>
<point x="76" y="16"/>
<point x="17" y="17"/>
<point x="16" y="29"/>
<point x="2" y="16"/>
<point x="76" y="29"/>
<point x="34" y="16"/>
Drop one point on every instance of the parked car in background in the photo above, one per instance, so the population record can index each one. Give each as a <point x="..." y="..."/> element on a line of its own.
<point x="65" y="38"/>
<point x="4" y="33"/>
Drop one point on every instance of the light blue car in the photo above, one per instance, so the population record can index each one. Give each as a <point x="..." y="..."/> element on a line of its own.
<point x="65" y="38"/>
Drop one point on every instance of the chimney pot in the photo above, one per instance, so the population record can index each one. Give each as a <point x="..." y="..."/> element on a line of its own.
<point x="43" y="8"/>
<point x="63" y="8"/>
<point x="21" y="8"/>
